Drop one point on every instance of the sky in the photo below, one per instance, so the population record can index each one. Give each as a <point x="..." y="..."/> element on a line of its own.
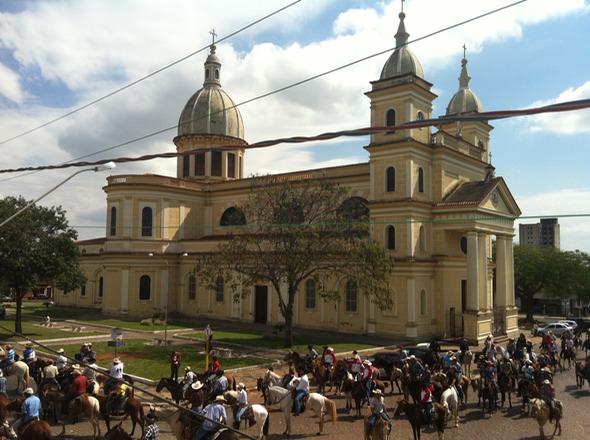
<point x="58" y="56"/>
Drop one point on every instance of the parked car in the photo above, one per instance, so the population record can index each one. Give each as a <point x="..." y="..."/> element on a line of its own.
<point x="5" y="299"/>
<point x="394" y="356"/>
<point x="571" y="323"/>
<point x="583" y="324"/>
<point x="558" y="328"/>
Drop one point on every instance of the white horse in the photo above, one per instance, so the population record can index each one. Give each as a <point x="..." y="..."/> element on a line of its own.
<point x="315" y="402"/>
<point x="21" y="371"/>
<point x="260" y="414"/>
<point x="84" y="405"/>
<point x="450" y="400"/>
<point x="539" y="410"/>
<point x="261" y="417"/>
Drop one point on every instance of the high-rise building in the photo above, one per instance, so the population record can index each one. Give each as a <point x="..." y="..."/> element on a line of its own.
<point x="543" y="234"/>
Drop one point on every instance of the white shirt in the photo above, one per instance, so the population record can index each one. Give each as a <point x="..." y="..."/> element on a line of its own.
<point x="242" y="398"/>
<point x="303" y="384"/>
<point x="117" y="370"/>
<point x="61" y="361"/>
<point x="189" y="377"/>
<point x="377" y="404"/>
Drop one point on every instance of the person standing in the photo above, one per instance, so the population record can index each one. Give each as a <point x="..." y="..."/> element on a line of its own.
<point x="216" y="415"/>
<point x="301" y="390"/>
<point x="174" y="365"/>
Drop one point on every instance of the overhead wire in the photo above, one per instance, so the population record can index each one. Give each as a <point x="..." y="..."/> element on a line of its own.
<point x="295" y="84"/>
<point x="149" y="75"/>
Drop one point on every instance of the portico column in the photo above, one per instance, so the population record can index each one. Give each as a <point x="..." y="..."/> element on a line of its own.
<point x="472" y="272"/>
<point x="501" y="271"/>
<point x="510" y="300"/>
<point x="482" y="266"/>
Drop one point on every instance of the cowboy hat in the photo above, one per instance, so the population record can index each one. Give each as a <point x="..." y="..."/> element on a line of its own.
<point x="220" y="398"/>
<point x="116" y="360"/>
<point x="187" y="368"/>
<point x="196" y="385"/>
<point x="28" y="391"/>
<point x="377" y="392"/>
<point x="29" y="345"/>
<point x="330" y="349"/>
<point x="546" y="382"/>
<point x="61" y="350"/>
<point x="77" y="371"/>
<point x="151" y="417"/>
<point x="367" y="362"/>
<point x="241" y="385"/>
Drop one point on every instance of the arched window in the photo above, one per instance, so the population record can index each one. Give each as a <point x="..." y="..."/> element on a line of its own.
<point x="219" y="289"/>
<point x="145" y="287"/>
<point x="113" y="230"/>
<point x="351" y="302"/>
<point x="310" y="291"/>
<point x="390" y="119"/>
<point x="101" y="287"/>
<point x="422" y="239"/>
<point x="83" y="290"/>
<point x="390" y="237"/>
<point x="146" y="222"/>
<point x="192" y="287"/>
<point x="390" y="178"/>
<point x="232" y="217"/>
<point x="420" y="180"/>
<point x="423" y="302"/>
<point x="186" y="166"/>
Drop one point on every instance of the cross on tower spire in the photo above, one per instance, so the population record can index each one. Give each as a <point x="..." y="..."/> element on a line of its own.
<point x="213" y="35"/>
<point x="403" y="5"/>
<point x="464" y="51"/>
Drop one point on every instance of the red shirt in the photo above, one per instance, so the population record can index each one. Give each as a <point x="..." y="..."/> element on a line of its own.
<point x="215" y="367"/>
<point x="79" y="385"/>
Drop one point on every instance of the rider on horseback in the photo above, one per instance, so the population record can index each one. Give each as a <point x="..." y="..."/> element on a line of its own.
<point x="29" y="355"/>
<point x="426" y="400"/>
<point x="490" y="375"/>
<point x="463" y="348"/>
<point x="329" y="360"/>
<point x="528" y="374"/>
<point x="9" y="356"/>
<point x="377" y="406"/>
<point x="547" y="393"/>
<point x="30" y="410"/>
<point x="355" y="365"/>
<point x="434" y="346"/>
<point x="367" y="378"/>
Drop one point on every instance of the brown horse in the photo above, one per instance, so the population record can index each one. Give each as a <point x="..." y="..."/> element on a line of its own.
<point x="379" y="431"/>
<point x="296" y="361"/>
<point x="84" y="405"/>
<point x="582" y="373"/>
<point x="321" y="375"/>
<point x="36" y="430"/>
<point x="568" y="355"/>
<point x="416" y="416"/>
<point x="174" y="388"/>
<point x="133" y="409"/>
<point x="485" y="392"/>
<point x="506" y="384"/>
<point x="354" y="390"/>
<point x="118" y="433"/>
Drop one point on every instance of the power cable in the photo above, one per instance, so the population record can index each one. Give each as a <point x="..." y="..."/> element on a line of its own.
<point x="149" y="75"/>
<point x="265" y="95"/>
<point x="484" y="116"/>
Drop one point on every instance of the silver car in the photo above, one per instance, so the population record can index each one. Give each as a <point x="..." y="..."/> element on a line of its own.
<point x="558" y="328"/>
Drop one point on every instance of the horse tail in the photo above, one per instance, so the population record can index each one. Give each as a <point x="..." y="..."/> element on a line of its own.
<point x="266" y="425"/>
<point x="332" y="410"/>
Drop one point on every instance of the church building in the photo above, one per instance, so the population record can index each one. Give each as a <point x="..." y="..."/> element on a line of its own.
<point x="435" y="204"/>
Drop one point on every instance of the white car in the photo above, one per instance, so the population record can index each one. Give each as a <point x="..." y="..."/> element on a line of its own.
<point x="572" y="324"/>
<point x="558" y="328"/>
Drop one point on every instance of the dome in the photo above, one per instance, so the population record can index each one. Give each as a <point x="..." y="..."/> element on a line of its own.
<point x="402" y="61"/>
<point x="464" y="101"/>
<point x="210" y="110"/>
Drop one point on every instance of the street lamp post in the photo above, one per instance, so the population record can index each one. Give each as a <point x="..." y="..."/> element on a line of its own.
<point x="151" y="254"/>
<point x="103" y="167"/>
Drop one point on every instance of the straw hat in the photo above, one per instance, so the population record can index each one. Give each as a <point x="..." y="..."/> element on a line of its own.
<point x="61" y="350"/>
<point x="377" y="392"/>
<point x="546" y="382"/>
<point x="196" y="385"/>
<point x="367" y="362"/>
<point x="241" y="385"/>
<point x="116" y="360"/>
<point x="77" y="371"/>
<point x="28" y="392"/>
<point x="220" y="398"/>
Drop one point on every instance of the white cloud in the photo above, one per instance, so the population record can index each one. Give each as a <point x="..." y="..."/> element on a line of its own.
<point x="566" y="123"/>
<point x="10" y="85"/>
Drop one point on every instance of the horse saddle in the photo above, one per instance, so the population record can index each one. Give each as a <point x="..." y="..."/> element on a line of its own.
<point x="249" y="416"/>
<point x="116" y="405"/>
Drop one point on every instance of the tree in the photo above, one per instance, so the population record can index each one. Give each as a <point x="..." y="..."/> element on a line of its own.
<point x="290" y="231"/>
<point x="558" y="274"/>
<point x="36" y="247"/>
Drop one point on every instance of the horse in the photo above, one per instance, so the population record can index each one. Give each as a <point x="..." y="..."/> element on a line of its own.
<point x="569" y="355"/>
<point x="261" y="420"/>
<point x="296" y="361"/>
<point x="379" y="431"/>
<point x="175" y="388"/>
<point x="321" y="374"/>
<point x="171" y="416"/>
<point x="506" y="384"/>
<point x="36" y="430"/>
<point x="263" y="383"/>
<point x="485" y="392"/>
<point x="133" y="408"/>
<point x="84" y="405"/>
<point x="51" y="404"/>
<point x="539" y="409"/>
<point x="450" y="400"/>
<point x="466" y="360"/>
<point x="529" y="390"/>
<point x="118" y="433"/>
<point x="354" y="390"/>
<point x="416" y="416"/>
<point x="586" y="346"/>
<point x="316" y="402"/>
<point x="582" y="373"/>
<point x="21" y="370"/>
